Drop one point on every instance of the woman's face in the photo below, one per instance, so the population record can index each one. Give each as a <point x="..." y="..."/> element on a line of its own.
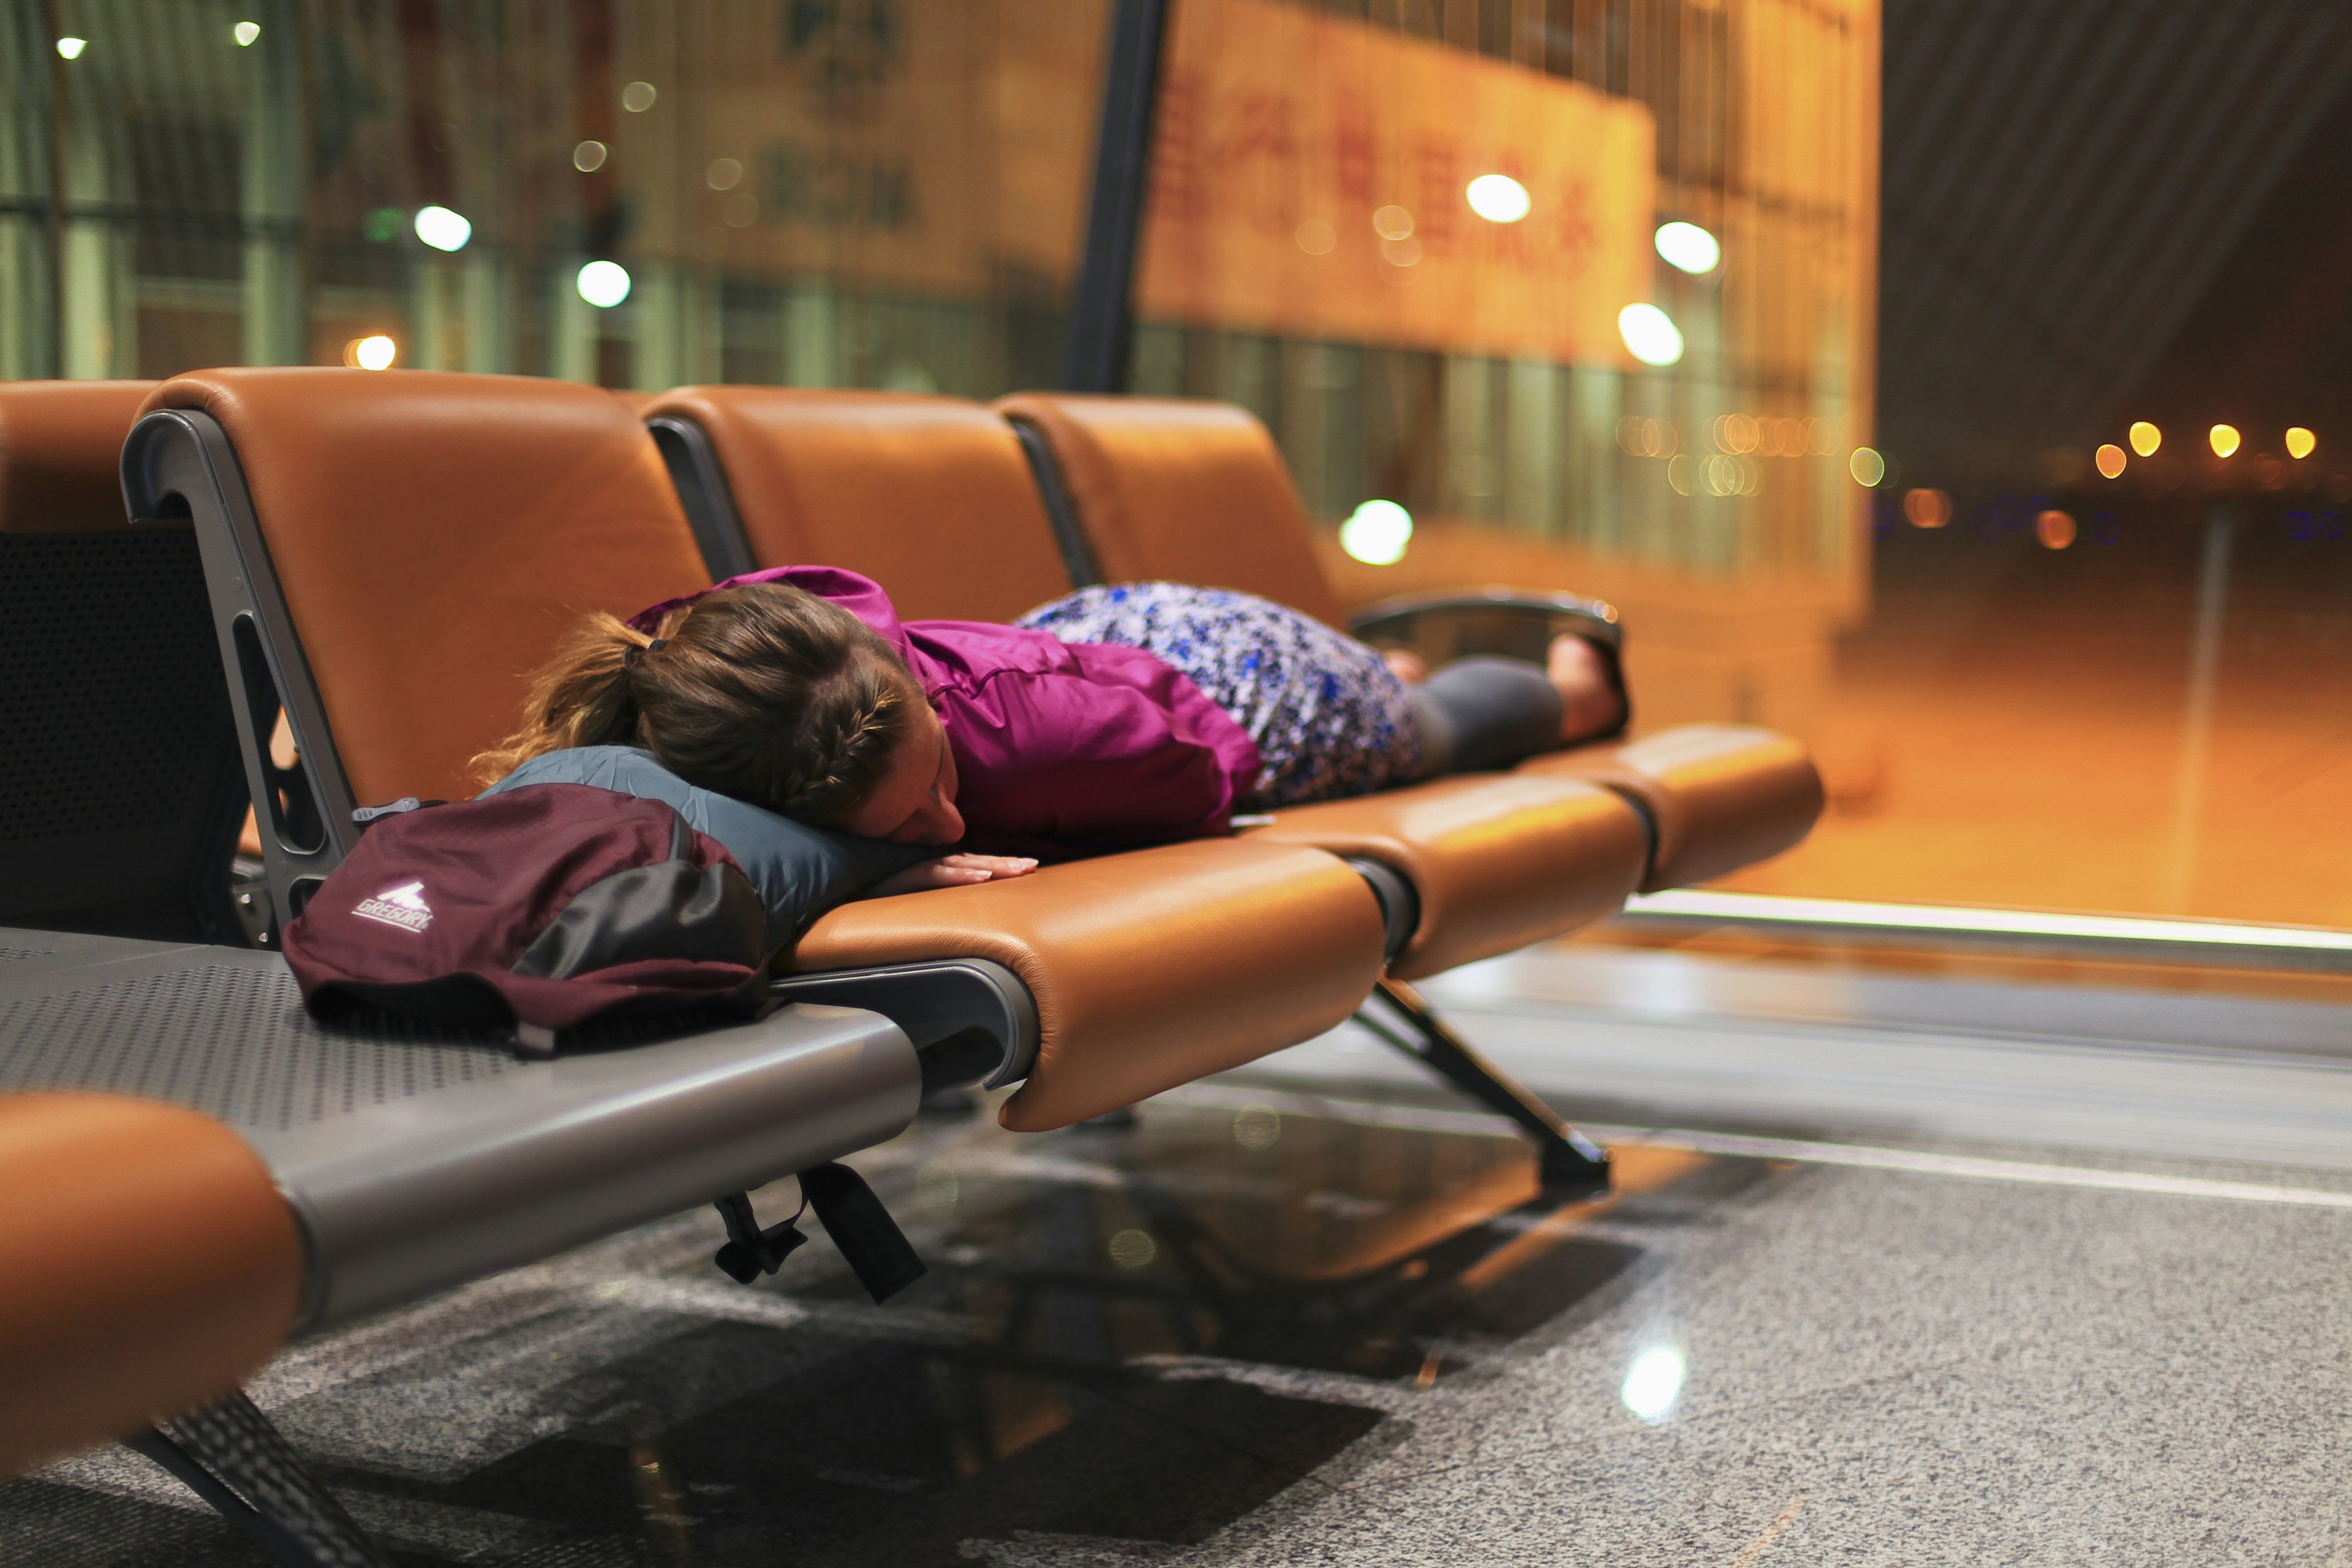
<point x="915" y="803"/>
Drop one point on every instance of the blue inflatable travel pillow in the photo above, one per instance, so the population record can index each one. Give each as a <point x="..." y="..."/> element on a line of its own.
<point x="799" y="871"/>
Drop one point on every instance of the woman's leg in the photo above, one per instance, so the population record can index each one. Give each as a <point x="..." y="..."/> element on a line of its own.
<point x="1480" y="714"/>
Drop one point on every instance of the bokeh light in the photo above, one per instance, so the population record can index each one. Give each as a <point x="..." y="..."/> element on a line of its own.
<point x="724" y="174"/>
<point x="589" y="156"/>
<point x="71" y="48"/>
<point x="1650" y="334"/>
<point x="1377" y="533"/>
<point x="638" y="96"/>
<point x="442" y="229"/>
<point x="603" y="284"/>
<point x="1866" y="465"/>
<point x="1498" y="199"/>
<point x="374" y="351"/>
<point x="2056" y="530"/>
<point x="1926" y="509"/>
<point x="1393" y="223"/>
<point x="244" y="33"/>
<point x="1316" y="237"/>
<point x="2144" y="438"/>
<point x="1654" y="1383"/>
<point x="2225" y="438"/>
<point x="1687" y="247"/>
<point x="2110" y="459"/>
<point x="2300" y="442"/>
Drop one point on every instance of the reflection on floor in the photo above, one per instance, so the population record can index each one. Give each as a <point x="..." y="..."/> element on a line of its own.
<point x="1315" y="1313"/>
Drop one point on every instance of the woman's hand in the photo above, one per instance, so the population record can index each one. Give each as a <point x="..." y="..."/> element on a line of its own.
<point x="952" y="871"/>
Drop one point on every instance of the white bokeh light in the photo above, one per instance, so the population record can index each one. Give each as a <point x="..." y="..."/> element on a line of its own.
<point x="1688" y="247"/>
<point x="1498" y="199"/>
<point x="71" y="48"/>
<point x="443" y="229"/>
<point x="1654" y="1383"/>
<point x="376" y="353"/>
<point x="1377" y="533"/>
<point x="1650" y="334"/>
<point x="603" y="284"/>
<point x="244" y="33"/>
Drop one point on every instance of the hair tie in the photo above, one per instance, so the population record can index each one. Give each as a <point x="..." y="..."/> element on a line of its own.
<point x="656" y="643"/>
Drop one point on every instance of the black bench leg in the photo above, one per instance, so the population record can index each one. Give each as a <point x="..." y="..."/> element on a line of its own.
<point x="1568" y="1162"/>
<point x="230" y="1455"/>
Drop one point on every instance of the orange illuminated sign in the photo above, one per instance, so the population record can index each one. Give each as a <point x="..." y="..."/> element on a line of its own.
<point x="1289" y="139"/>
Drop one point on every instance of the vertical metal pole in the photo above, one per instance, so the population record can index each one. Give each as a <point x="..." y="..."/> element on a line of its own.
<point x="272" y="192"/>
<point x="1102" y="313"/>
<point x="2197" y="721"/>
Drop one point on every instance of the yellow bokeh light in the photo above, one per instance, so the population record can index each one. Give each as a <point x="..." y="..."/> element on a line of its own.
<point x="374" y="351"/>
<point x="2110" y="458"/>
<point x="2144" y="439"/>
<point x="2300" y="442"/>
<point x="2225" y="438"/>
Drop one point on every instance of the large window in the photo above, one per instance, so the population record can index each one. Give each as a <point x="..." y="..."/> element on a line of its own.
<point x="819" y="192"/>
<point x="2012" y="478"/>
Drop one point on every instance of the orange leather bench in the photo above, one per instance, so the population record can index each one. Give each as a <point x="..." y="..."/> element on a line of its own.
<point x="415" y="542"/>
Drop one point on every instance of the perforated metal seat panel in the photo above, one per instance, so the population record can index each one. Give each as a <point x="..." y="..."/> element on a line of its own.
<point x="418" y="1158"/>
<point x="119" y="777"/>
<point x="230" y="1040"/>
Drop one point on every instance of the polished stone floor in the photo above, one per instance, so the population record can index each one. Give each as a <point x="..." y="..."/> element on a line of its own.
<point x="1899" y="1271"/>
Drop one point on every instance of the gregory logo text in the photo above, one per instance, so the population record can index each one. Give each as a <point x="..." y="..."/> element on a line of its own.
<point x="403" y="906"/>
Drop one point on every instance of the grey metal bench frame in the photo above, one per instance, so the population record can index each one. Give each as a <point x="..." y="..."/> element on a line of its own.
<point x="416" y="1159"/>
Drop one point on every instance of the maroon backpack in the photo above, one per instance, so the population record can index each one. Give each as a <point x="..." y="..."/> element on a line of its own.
<point x="591" y="886"/>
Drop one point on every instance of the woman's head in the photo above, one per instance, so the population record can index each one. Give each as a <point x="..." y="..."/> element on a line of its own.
<point x="764" y="692"/>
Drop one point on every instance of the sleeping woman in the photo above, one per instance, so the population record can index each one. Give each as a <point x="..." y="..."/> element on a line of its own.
<point x="1113" y="718"/>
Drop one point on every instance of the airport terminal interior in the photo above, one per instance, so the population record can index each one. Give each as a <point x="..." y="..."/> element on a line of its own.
<point x="1883" y="1095"/>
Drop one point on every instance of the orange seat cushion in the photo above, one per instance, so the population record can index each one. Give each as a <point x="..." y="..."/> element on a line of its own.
<point x="1499" y="860"/>
<point x="930" y="497"/>
<point x="1149" y="969"/>
<point x="1168" y="489"/>
<point x="435" y="535"/>
<point x="150" y="1264"/>
<point x="1723" y="795"/>
<point x="61" y="454"/>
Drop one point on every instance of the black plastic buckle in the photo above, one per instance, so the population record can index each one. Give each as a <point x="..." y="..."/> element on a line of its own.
<point x="868" y="1239"/>
<point x="749" y="1251"/>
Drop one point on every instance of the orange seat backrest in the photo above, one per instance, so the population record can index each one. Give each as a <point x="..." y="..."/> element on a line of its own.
<point x="61" y="454"/>
<point x="930" y="497"/>
<point x="434" y="533"/>
<point x="1175" y="491"/>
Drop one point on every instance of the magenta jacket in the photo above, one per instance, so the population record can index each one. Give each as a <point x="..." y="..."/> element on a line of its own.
<point x="1060" y="748"/>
